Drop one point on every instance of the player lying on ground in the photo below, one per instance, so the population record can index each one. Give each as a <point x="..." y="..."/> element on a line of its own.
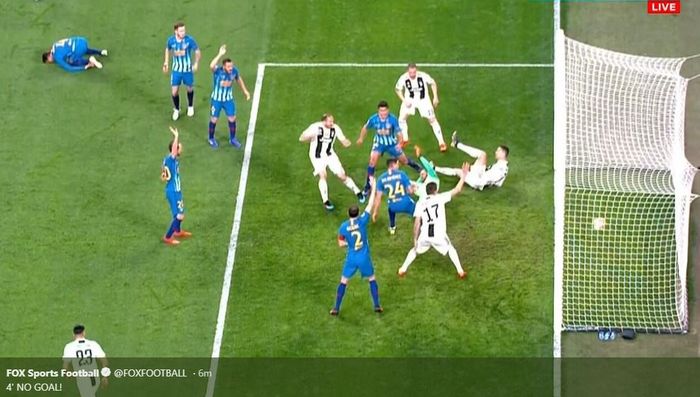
<point x="430" y="226"/>
<point x="222" y="96"/>
<point x="387" y="133"/>
<point x="398" y="190"/>
<point x="322" y="135"/>
<point x="70" y="53"/>
<point x="353" y="235"/>
<point x="181" y="45"/>
<point x="83" y="354"/>
<point x="480" y="175"/>
<point x="411" y="88"/>
<point x="170" y="174"/>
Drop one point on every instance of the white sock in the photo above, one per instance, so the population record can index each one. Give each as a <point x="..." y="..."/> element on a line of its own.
<point x="323" y="188"/>
<point x="351" y="185"/>
<point x="449" y="171"/>
<point x="452" y="252"/>
<point x="472" y="151"/>
<point x="403" y="124"/>
<point x="409" y="259"/>
<point x="438" y="132"/>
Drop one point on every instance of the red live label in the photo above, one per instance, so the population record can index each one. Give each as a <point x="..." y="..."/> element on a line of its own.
<point x="663" y="7"/>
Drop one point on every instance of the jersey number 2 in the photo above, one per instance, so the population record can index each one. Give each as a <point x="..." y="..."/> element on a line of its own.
<point x="358" y="240"/>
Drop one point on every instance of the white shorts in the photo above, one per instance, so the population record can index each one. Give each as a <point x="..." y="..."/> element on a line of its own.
<point x="441" y="244"/>
<point x="424" y="106"/>
<point x="332" y="162"/>
<point x="476" y="178"/>
<point x="88" y="386"/>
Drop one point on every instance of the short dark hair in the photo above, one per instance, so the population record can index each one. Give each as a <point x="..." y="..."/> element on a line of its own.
<point x="78" y="329"/>
<point x="45" y="56"/>
<point x="505" y="149"/>
<point x="178" y="25"/>
<point x="431" y="188"/>
<point x="412" y="65"/>
<point x="383" y="104"/>
<point x="226" y="60"/>
<point x="353" y="211"/>
<point x="391" y="162"/>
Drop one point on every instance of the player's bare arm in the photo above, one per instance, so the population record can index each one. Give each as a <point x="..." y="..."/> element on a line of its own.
<point x="197" y="57"/>
<point x="399" y="93"/>
<point x="434" y="88"/>
<point x="166" y="60"/>
<point x="241" y="84"/>
<point x="307" y="135"/>
<point x="465" y="170"/>
<point x="176" y="141"/>
<point x="372" y="194"/>
<point x="215" y="62"/>
<point x="377" y="203"/>
<point x="416" y="230"/>
<point x="363" y="133"/>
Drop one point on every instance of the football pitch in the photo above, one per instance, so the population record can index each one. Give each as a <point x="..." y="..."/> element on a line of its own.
<point x="84" y="209"/>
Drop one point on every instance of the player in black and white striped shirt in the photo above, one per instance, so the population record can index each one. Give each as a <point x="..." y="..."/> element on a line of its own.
<point x="83" y="354"/>
<point x="322" y="135"/>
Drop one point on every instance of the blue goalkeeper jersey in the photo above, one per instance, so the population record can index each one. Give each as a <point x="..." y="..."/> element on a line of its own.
<point x="67" y="51"/>
<point x="386" y="131"/>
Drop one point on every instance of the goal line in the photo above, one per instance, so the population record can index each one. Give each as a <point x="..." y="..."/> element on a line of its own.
<point x="403" y="64"/>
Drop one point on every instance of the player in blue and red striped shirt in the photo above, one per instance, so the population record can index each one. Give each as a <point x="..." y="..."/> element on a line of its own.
<point x="180" y="45"/>
<point x="222" y="96"/>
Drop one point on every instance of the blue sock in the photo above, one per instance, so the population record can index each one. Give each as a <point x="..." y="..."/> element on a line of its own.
<point x="339" y="295"/>
<point x="176" y="101"/>
<point x="413" y="164"/>
<point x="374" y="289"/>
<point x="392" y="218"/>
<point x="212" y="129"/>
<point x="370" y="172"/>
<point x="190" y="98"/>
<point x="92" y="51"/>
<point x="177" y="224"/>
<point x="172" y="228"/>
<point x="232" y="129"/>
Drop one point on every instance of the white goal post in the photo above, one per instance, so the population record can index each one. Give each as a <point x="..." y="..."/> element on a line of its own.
<point x="622" y="191"/>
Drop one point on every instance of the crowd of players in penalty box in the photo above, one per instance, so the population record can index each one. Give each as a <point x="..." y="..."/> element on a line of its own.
<point x="391" y="136"/>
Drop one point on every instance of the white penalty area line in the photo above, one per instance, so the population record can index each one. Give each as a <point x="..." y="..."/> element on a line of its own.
<point x="403" y="65"/>
<point x="233" y="241"/>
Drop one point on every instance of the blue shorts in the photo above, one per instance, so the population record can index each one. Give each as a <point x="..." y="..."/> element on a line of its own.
<point x="177" y="78"/>
<point x="352" y="265"/>
<point x="405" y="205"/>
<point x="228" y="106"/>
<point x="394" y="150"/>
<point x="177" y="205"/>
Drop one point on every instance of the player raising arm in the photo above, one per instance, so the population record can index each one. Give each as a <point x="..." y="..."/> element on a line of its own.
<point x="387" y="131"/>
<point x="430" y="225"/>
<point x="322" y="135"/>
<point x="170" y="174"/>
<point x="222" y="96"/>
<point x="480" y="175"/>
<point x="353" y="235"/>
<point x="412" y="91"/>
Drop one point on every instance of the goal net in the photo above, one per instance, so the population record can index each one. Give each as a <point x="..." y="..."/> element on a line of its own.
<point x="622" y="191"/>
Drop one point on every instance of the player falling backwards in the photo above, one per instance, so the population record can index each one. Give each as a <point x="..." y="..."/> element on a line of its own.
<point x="480" y="175"/>
<point x="222" y="96"/>
<point x="398" y="190"/>
<point x="387" y="133"/>
<point x="170" y="174"/>
<point x="322" y="135"/>
<point x="412" y="90"/>
<point x="353" y="235"/>
<point x="430" y="225"/>
<point x="181" y="45"/>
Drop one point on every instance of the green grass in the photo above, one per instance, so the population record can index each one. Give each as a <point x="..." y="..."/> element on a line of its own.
<point x="84" y="209"/>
